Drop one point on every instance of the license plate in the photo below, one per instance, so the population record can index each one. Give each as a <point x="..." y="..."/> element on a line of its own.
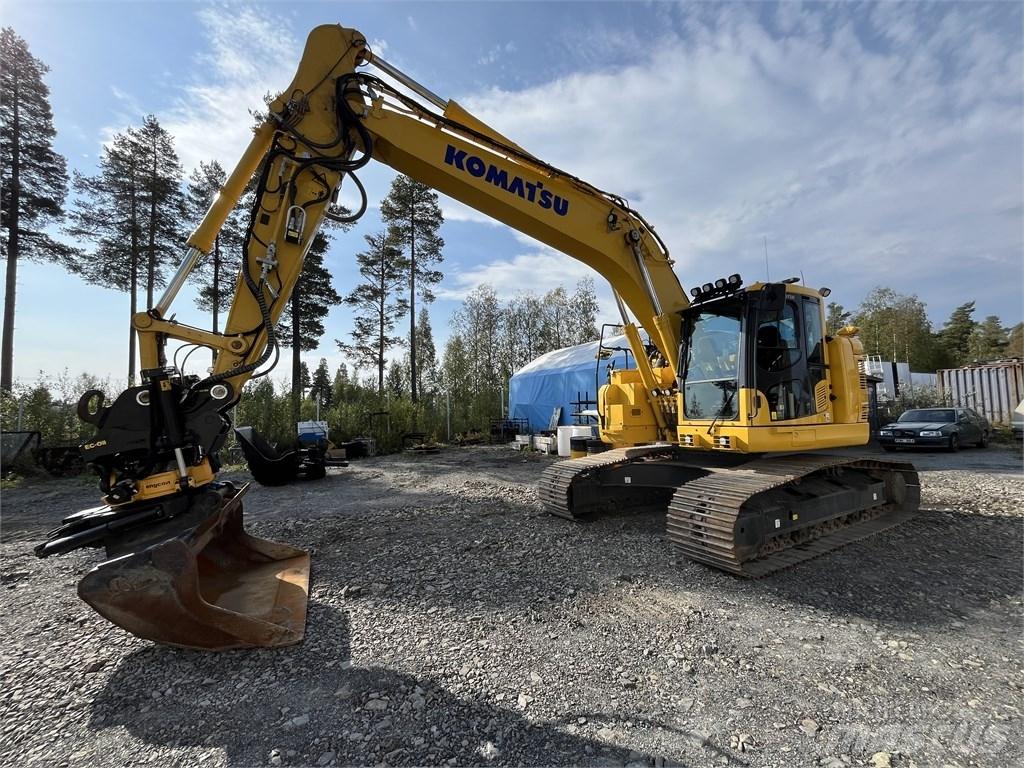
<point x="904" y="439"/>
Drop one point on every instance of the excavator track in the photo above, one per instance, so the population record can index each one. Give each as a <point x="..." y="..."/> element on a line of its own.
<point x="558" y="481"/>
<point x="750" y="519"/>
<point x="706" y="517"/>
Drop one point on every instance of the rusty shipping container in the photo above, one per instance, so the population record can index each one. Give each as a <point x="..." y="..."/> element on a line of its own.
<point x="992" y="389"/>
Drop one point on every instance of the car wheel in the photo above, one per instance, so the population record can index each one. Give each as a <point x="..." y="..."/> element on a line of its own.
<point x="954" y="443"/>
<point x="983" y="443"/>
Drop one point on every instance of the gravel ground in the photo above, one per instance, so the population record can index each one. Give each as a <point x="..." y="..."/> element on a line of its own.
<point x="451" y="622"/>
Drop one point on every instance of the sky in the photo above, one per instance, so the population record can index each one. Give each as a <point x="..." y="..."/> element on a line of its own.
<point x="859" y="144"/>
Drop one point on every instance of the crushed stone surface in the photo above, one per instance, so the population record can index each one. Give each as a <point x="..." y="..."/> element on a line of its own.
<point x="453" y="622"/>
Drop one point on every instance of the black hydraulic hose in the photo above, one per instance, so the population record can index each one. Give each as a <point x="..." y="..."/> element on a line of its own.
<point x="347" y="120"/>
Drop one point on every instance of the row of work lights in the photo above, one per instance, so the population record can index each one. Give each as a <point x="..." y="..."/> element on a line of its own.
<point x="720" y="287"/>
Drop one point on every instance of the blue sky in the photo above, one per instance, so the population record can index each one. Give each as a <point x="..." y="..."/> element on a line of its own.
<point x="870" y="144"/>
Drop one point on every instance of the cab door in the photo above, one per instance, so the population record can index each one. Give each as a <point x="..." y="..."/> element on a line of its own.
<point x="788" y="357"/>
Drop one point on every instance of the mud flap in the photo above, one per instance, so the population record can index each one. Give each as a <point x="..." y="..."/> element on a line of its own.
<point x="212" y="587"/>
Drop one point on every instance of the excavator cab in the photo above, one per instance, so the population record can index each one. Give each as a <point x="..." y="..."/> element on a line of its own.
<point x="754" y="370"/>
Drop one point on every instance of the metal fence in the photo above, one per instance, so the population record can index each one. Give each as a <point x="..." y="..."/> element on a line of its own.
<point x="992" y="389"/>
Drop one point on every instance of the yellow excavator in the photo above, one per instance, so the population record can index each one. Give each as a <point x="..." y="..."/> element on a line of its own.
<point x="731" y="387"/>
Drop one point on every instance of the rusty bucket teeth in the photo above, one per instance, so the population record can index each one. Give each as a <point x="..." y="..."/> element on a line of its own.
<point x="210" y="587"/>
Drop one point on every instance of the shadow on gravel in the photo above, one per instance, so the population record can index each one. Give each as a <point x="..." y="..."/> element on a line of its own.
<point x="934" y="569"/>
<point x="304" y="702"/>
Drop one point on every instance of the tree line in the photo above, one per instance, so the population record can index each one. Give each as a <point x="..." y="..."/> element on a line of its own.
<point x="896" y="327"/>
<point x="461" y="387"/>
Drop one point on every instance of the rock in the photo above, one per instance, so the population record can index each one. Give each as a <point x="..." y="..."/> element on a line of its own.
<point x="96" y="666"/>
<point x="743" y="703"/>
<point x="297" y="722"/>
<point x="524" y="700"/>
<point x="709" y="649"/>
<point x="808" y="726"/>
<point x="488" y="751"/>
<point x="376" y="705"/>
<point x="535" y="678"/>
<point x="881" y="760"/>
<point x="325" y="758"/>
<point x="581" y="720"/>
<point x="741" y="742"/>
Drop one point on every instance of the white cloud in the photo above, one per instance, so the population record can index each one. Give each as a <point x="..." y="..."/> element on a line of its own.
<point x="249" y="53"/>
<point x="498" y="53"/>
<point x="859" y="160"/>
<point x="536" y="271"/>
<point x="866" y="147"/>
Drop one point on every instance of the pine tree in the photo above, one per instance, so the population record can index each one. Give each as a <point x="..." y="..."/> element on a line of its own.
<point x="395" y="383"/>
<point x="320" y="390"/>
<point x="302" y="323"/>
<point x="216" y="274"/>
<point x="162" y="200"/>
<point x="132" y="212"/>
<point x="989" y="340"/>
<point x="107" y="213"/>
<point x="377" y="303"/>
<point x="426" y="356"/>
<point x="33" y="178"/>
<point x="413" y="217"/>
<point x="955" y="336"/>
<point x="340" y="385"/>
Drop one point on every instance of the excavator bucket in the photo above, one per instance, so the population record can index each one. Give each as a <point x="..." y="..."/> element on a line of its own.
<point x="208" y="585"/>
